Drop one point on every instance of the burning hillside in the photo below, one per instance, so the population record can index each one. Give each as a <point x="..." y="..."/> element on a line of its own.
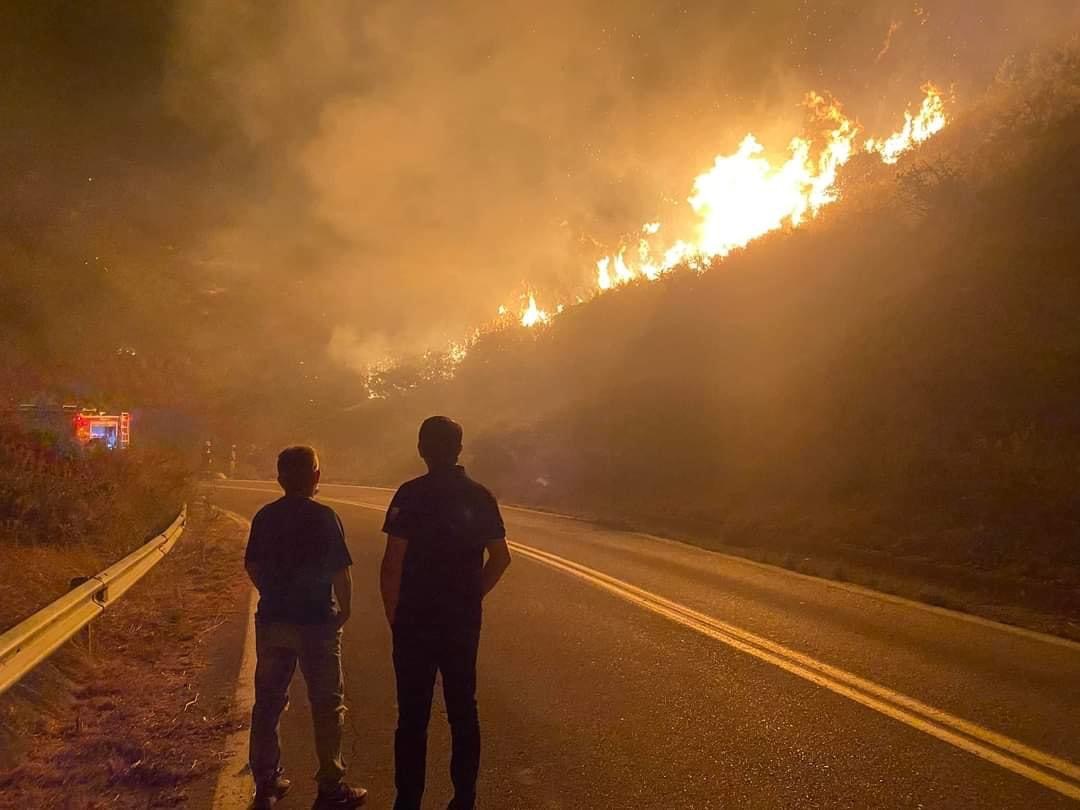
<point x="742" y="197"/>
<point x="746" y="195"/>
<point x="898" y="385"/>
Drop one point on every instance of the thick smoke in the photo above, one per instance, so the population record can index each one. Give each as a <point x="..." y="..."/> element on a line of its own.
<point x="402" y="168"/>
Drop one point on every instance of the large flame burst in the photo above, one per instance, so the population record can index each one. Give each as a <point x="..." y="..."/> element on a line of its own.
<point x="745" y="195"/>
<point x="742" y="197"/>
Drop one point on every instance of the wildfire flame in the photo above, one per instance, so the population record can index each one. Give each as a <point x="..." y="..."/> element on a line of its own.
<point x="742" y="197"/>
<point x="922" y="126"/>
<point x="533" y="314"/>
<point x="745" y="195"/>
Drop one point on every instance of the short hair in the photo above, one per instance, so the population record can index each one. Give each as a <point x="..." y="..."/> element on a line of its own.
<point x="440" y="440"/>
<point x="296" y="466"/>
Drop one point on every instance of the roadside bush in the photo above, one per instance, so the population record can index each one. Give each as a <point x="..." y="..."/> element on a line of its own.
<point x="56" y="494"/>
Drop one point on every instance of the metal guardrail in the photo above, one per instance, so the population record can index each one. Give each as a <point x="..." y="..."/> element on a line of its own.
<point x="30" y="642"/>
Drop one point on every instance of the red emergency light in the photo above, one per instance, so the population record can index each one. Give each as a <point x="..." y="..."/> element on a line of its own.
<point x="111" y="430"/>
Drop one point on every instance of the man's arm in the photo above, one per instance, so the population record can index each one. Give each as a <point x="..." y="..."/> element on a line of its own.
<point x="252" y="569"/>
<point x="253" y="549"/>
<point x="393" y="564"/>
<point x="498" y="560"/>
<point x="343" y="594"/>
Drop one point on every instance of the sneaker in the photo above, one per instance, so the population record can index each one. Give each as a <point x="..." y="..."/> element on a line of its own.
<point x="341" y="797"/>
<point x="268" y="793"/>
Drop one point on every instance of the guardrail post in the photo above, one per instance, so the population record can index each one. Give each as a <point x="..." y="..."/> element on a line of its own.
<point x="88" y="631"/>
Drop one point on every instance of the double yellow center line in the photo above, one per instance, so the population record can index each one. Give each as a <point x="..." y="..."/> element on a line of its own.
<point x="1049" y="771"/>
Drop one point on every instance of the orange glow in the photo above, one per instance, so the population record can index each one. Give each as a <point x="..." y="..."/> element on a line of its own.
<point x="741" y="197"/>
<point x="745" y="195"/>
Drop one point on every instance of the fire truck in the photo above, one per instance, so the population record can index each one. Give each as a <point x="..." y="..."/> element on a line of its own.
<point x="111" y="430"/>
<point x="84" y="426"/>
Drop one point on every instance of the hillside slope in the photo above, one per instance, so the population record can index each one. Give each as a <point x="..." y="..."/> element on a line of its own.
<point x="893" y="387"/>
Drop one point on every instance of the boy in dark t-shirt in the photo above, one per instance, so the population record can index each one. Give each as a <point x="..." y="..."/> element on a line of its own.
<point x="297" y="559"/>
<point x="434" y="578"/>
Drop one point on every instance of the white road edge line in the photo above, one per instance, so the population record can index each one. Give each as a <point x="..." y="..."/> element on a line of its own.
<point x="850" y="587"/>
<point x="234" y="786"/>
<point x="998" y="749"/>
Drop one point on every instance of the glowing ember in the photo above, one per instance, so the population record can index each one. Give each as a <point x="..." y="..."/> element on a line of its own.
<point x="457" y="352"/>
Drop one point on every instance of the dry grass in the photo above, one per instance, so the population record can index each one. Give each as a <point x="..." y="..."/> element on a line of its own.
<point x="133" y="726"/>
<point x="54" y="493"/>
<point x="67" y="513"/>
<point x="31" y="577"/>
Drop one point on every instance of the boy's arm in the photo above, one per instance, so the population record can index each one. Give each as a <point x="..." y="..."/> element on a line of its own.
<point x="498" y="560"/>
<point x="343" y="594"/>
<point x="339" y="561"/>
<point x="393" y="563"/>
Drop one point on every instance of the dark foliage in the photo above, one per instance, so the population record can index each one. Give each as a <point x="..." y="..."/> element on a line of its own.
<point x="53" y="493"/>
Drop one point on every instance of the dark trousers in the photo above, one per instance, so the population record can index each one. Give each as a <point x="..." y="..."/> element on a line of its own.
<point x="279" y="648"/>
<point x="418" y="655"/>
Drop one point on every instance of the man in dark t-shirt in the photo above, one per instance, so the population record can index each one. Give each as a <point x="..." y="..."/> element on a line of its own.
<point x="434" y="578"/>
<point x="297" y="558"/>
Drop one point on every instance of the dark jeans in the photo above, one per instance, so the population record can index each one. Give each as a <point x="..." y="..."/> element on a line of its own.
<point x="418" y="655"/>
<point x="317" y="649"/>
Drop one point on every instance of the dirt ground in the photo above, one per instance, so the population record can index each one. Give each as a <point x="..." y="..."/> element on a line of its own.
<point x="140" y="720"/>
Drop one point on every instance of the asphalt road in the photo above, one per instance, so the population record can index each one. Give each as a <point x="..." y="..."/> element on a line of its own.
<point x="619" y="670"/>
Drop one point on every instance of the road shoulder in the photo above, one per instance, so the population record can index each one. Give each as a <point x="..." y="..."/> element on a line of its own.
<point x="231" y="788"/>
<point x="145" y="717"/>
